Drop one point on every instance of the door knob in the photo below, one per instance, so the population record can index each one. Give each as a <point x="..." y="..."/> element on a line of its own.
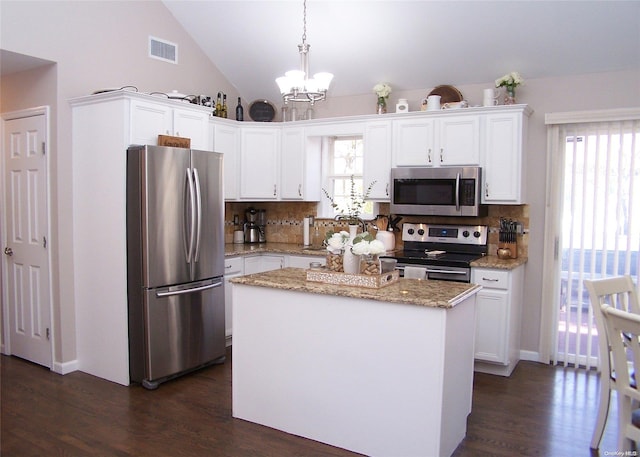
<point x="8" y="251"/>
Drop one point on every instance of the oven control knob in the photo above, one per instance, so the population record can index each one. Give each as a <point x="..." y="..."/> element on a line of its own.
<point x="465" y="233"/>
<point x="476" y="234"/>
<point x="411" y="231"/>
<point x="420" y="232"/>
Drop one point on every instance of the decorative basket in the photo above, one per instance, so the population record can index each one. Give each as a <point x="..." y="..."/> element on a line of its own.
<point x="346" y="279"/>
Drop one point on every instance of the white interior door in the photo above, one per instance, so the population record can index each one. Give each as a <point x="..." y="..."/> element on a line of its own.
<point x="26" y="252"/>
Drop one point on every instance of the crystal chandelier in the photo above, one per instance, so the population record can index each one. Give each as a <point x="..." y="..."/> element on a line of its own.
<point x="296" y="85"/>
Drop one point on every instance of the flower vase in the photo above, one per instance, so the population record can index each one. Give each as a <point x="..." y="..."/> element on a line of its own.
<point x="350" y="261"/>
<point x="334" y="261"/>
<point x="381" y="106"/>
<point x="510" y="95"/>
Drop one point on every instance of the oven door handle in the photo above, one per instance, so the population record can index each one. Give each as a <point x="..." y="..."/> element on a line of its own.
<point x="458" y="192"/>
<point x="449" y="272"/>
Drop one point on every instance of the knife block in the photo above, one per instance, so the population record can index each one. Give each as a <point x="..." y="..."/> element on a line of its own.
<point x="513" y="248"/>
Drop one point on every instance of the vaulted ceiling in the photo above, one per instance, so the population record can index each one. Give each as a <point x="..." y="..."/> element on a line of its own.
<point x="411" y="44"/>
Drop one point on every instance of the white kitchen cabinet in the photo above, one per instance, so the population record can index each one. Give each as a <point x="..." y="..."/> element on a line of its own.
<point x="226" y="139"/>
<point x="303" y="261"/>
<point x="300" y="167"/>
<point x="150" y="119"/>
<point x="437" y="141"/>
<point x="259" y="163"/>
<point x="264" y="262"/>
<point x="233" y="267"/>
<point x="505" y="134"/>
<point x="498" y="316"/>
<point x="377" y="158"/>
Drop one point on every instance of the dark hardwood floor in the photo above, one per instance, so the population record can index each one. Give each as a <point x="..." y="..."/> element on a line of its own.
<point x="539" y="411"/>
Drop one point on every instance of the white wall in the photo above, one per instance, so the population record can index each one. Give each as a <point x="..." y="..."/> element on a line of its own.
<point x="95" y="45"/>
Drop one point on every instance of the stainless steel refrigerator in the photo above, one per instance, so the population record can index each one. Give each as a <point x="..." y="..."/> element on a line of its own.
<point x="175" y="262"/>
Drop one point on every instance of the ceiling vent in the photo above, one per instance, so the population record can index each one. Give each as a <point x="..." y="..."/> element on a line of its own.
<point x="163" y="50"/>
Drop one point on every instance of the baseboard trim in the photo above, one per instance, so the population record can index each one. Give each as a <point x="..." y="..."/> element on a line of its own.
<point x="65" y="367"/>
<point x="530" y="356"/>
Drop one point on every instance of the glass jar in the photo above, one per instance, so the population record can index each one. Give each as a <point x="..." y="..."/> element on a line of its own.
<point x="369" y="264"/>
<point x="334" y="262"/>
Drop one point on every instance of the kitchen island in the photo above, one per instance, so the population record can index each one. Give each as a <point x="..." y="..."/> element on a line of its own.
<point x="383" y="372"/>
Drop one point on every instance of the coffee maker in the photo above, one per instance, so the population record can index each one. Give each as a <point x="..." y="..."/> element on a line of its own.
<point x="254" y="225"/>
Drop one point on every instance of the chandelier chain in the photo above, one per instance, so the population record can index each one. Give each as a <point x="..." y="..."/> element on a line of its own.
<point x="304" y="22"/>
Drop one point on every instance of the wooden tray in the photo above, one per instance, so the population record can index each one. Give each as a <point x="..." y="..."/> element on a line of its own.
<point x="345" y="279"/>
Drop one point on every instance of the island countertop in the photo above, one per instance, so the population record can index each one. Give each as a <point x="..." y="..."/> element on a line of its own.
<point x="429" y="293"/>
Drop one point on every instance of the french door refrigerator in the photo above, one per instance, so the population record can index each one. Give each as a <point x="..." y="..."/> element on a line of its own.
<point x="175" y="262"/>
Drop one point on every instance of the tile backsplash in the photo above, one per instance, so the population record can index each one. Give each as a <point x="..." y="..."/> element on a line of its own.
<point x="285" y="221"/>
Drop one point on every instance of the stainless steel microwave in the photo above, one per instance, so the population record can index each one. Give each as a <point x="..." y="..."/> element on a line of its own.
<point x="437" y="191"/>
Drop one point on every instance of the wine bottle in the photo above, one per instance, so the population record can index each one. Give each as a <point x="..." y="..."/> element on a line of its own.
<point x="224" y="105"/>
<point x="219" y="105"/>
<point x="239" y="111"/>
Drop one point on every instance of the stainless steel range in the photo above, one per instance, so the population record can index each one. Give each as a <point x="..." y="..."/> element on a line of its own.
<point x="442" y="252"/>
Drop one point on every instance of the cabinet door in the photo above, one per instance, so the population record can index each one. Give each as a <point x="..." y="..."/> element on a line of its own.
<point x="193" y="125"/>
<point x="377" y="158"/>
<point x="259" y="164"/>
<point x="261" y="263"/>
<point x="148" y="120"/>
<point x="502" y="161"/>
<point x="292" y="164"/>
<point x="303" y="261"/>
<point x="225" y="140"/>
<point x="414" y="142"/>
<point x="492" y="325"/>
<point x="459" y="140"/>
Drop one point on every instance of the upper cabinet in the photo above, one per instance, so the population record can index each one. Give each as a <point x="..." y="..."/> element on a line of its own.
<point x="300" y="170"/>
<point x="437" y="141"/>
<point x="226" y="139"/>
<point x="503" y="157"/>
<point x="377" y="158"/>
<point x="150" y="119"/>
<point x="259" y="163"/>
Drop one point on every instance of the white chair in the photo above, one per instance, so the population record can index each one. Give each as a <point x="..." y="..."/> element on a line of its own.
<point x="624" y="334"/>
<point x="620" y="293"/>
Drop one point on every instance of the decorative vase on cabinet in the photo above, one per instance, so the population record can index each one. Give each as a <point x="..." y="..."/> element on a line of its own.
<point x="351" y="262"/>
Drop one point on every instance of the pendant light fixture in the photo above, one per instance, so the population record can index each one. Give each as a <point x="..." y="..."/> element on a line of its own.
<point x="296" y="85"/>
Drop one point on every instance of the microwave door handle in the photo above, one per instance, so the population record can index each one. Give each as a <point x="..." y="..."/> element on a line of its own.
<point x="458" y="192"/>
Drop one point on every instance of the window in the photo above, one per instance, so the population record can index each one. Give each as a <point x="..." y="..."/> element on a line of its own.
<point x="343" y="158"/>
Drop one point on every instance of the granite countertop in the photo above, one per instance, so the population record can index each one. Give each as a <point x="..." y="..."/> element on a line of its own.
<point x="429" y="293"/>
<point x="492" y="261"/>
<point x="230" y="250"/>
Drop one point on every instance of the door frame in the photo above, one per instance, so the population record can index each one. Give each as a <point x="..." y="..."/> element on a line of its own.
<point x="5" y="347"/>
<point x="553" y="214"/>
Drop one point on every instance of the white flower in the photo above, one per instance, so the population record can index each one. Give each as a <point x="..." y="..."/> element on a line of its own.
<point x="337" y="242"/>
<point x="368" y="248"/>
<point x="382" y="89"/>
<point x="510" y="79"/>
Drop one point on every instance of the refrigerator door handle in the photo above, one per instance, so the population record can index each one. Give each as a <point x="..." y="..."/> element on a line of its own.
<point x="190" y="225"/>
<point x="198" y="231"/>
<point x="188" y="291"/>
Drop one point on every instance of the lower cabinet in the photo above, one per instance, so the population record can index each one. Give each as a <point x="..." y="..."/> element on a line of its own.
<point x="233" y="267"/>
<point x="303" y="261"/>
<point x="263" y="262"/>
<point x="498" y="319"/>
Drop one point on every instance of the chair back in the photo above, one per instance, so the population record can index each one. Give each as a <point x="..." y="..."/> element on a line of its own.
<point x="618" y="293"/>
<point x="623" y="328"/>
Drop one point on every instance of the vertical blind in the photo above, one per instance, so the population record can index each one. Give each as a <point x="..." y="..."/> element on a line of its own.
<point x="600" y="226"/>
